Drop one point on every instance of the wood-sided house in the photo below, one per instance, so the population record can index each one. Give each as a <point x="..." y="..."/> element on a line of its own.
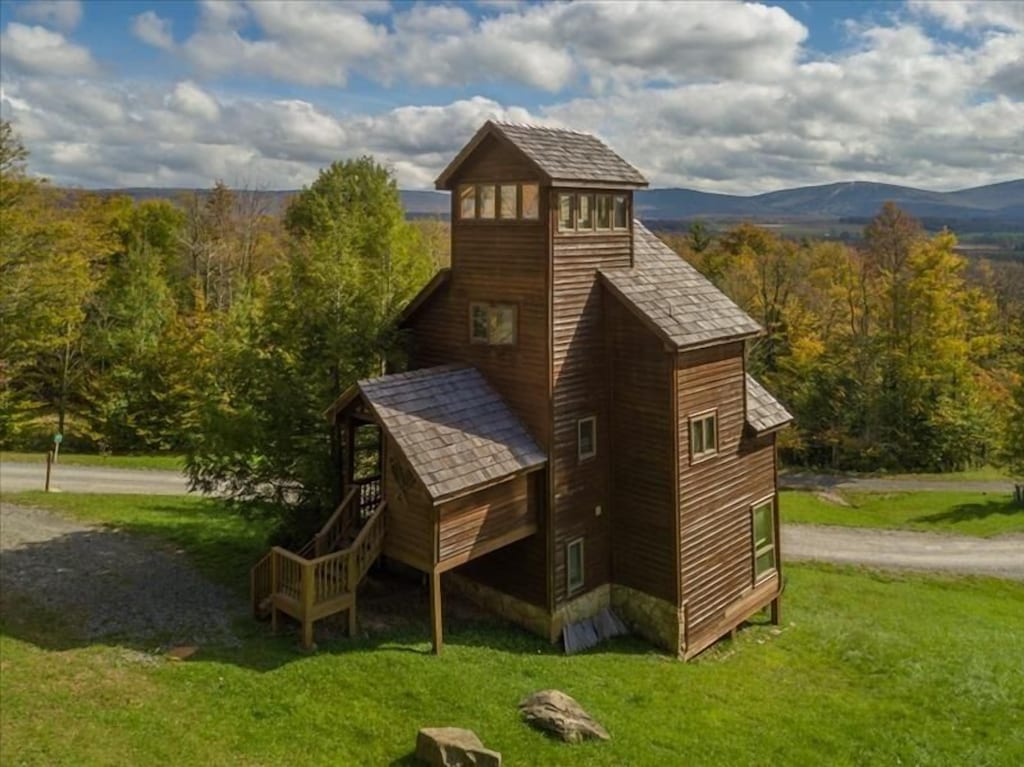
<point x="577" y="429"/>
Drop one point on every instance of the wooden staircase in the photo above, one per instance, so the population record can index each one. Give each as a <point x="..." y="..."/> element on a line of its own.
<point x="322" y="578"/>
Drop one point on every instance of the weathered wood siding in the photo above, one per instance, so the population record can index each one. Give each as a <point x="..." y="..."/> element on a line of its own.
<point x="481" y="522"/>
<point x="507" y="262"/>
<point x="717" y="494"/>
<point x="580" y="389"/>
<point x="410" y="514"/>
<point x="643" y="516"/>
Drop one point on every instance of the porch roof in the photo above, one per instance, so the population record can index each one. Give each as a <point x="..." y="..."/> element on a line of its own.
<point x="453" y="429"/>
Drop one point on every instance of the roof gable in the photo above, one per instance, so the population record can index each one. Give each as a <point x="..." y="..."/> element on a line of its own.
<point x="455" y="432"/>
<point x="563" y="157"/>
<point x="675" y="300"/>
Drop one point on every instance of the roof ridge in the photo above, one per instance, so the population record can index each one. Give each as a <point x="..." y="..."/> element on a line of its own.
<point x="538" y="126"/>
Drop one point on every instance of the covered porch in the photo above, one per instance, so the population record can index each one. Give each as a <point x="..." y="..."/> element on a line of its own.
<point x="453" y="467"/>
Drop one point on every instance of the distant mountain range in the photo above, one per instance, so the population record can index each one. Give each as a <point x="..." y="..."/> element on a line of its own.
<point x="849" y="200"/>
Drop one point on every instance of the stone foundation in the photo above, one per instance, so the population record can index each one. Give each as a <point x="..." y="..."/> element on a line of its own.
<point x="586" y="606"/>
<point x="657" y="621"/>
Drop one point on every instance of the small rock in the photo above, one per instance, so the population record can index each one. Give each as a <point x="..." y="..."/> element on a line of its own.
<point x="454" y="747"/>
<point x="555" y="712"/>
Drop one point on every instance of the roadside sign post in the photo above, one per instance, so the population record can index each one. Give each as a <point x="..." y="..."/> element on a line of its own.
<point x="57" y="439"/>
<point x="49" y="462"/>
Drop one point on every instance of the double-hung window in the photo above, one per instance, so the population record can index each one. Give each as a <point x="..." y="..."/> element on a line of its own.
<point x="703" y="435"/>
<point x="764" y="539"/>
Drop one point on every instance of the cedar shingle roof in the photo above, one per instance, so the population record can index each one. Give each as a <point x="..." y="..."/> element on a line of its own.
<point x="676" y="300"/>
<point x="764" y="412"/>
<point x="564" y="156"/>
<point x="454" y="430"/>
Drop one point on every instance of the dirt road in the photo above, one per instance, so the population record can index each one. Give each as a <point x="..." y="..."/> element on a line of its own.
<point x="803" y="481"/>
<point x="16" y="477"/>
<point x="1001" y="557"/>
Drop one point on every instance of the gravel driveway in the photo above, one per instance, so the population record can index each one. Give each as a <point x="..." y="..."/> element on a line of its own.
<point x="16" y="477"/>
<point x="110" y="584"/>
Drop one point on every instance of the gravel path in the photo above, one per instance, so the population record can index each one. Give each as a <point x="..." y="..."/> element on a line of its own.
<point x="16" y="477"/>
<point x="110" y="584"/>
<point x="1001" y="557"/>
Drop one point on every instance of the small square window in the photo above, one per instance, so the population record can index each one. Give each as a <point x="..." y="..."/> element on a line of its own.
<point x="566" y="211"/>
<point x="621" y="212"/>
<point x="467" y="201"/>
<point x="604" y="212"/>
<point x="585" y="216"/>
<point x="531" y="201"/>
<point x="508" y="200"/>
<point x="493" y="324"/>
<point x="586" y="438"/>
<point x="488" y="200"/>
<point x="764" y="539"/>
<point x="574" y="565"/>
<point x="703" y="435"/>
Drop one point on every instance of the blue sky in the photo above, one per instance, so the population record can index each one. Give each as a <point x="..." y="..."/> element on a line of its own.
<point x="719" y="96"/>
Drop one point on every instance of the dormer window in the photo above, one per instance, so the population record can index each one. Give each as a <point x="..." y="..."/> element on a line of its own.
<point x="504" y="202"/>
<point x="584" y="212"/>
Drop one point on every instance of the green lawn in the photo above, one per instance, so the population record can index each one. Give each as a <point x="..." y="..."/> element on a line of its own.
<point x="867" y="669"/>
<point x="979" y="474"/>
<point x="168" y="462"/>
<point x="980" y="514"/>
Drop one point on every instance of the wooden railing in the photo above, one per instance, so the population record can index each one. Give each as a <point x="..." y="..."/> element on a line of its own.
<point x="337" y="527"/>
<point x="312" y="588"/>
<point x="370" y="495"/>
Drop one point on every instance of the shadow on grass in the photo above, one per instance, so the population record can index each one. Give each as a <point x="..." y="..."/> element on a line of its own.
<point x="967" y="512"/>
<point x="100" y="587"/>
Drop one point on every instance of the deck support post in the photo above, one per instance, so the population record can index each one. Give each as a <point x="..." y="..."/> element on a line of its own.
<point x="435" y="611"/>
<point x="273" y="592"/>
<point x="776" y="610"/>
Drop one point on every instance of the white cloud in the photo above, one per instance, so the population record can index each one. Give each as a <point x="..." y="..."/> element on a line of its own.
<point x="973" y="14"/>
<point x="188" y="98"/>
<point x="37" y="50"/>
<point x="153" y="30"/>
<point x="62" y="14"/>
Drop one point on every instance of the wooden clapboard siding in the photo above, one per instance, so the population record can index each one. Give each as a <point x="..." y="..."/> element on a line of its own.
<point x="486" y="520"/>
<point x="643" y="521"/>
<point x="579" y="389"/>
<point x="519" y="569"/>
<point x="716" y="494"/>
<point x="495" y="159"/>
<point x="410" y="513"/>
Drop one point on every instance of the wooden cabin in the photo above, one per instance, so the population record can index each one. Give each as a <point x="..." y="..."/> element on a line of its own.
<point x="577" y="430"/>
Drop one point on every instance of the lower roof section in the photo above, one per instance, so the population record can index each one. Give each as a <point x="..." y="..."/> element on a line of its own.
<point x="453" y="429"/>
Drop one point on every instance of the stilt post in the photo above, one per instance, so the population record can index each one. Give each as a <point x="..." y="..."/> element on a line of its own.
<point x="437" y="638"/>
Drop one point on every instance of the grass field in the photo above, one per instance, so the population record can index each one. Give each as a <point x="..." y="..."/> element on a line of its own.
<point x="164" y="461"/>
<point x="866" y="669"/>
<point x="980" y="514"/>
<point x="979" y="474"/>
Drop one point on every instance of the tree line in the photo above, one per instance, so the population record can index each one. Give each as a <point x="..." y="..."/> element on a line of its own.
<point x="896" y="354"/>
<point x="213" y="328"/>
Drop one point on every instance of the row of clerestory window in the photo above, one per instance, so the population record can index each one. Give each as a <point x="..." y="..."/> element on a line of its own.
<point x="506" y="202"/>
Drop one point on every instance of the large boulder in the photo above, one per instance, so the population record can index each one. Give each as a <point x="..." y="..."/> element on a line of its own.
<point x="454" y="747"/>
<point x="557" y="713"/>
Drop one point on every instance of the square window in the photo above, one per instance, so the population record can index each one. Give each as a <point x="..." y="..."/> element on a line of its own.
<point x="467" y="201"/>
<point x="488" y="200"/>
<point x="566" y="211"/>
<point x="574" y="565"/>
<point x="493" y="324"/>
<point x="621" y="212"/>
<point x="703" y="435"/>
<point x="764" y="539"/>
<point x="586" y="438"/>
<point x="585" y="215"/>
<point x="508" y="200"/>
<point x="604" y="212"/>
<point x="531" y="201"/>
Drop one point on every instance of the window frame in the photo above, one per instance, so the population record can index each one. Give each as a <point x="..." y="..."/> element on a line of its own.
<point x="707" y="452"/>
<point x="490" y="307"/>
<point x="572" y="585"/>
<point x="462" y="189"/>
<point x="594" y="198"/>
<point x="580" y="455"/>
<point x="769" y="504"/>
<point x="499" y="216"/>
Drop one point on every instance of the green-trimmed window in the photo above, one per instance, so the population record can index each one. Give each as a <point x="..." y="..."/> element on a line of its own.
<point x="586" y="437"/>
<point x="764" y="539"/>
